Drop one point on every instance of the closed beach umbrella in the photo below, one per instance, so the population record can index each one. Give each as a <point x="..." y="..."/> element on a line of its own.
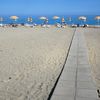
<point x="30" y="19"/>
<point x="98" y="19"/>
<point x="1" y="19"/>
<point x="63" y="21"/>
<point x="82" y="18"/>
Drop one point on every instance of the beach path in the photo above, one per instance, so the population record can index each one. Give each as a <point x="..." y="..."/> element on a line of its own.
<point x="75" y="82"/>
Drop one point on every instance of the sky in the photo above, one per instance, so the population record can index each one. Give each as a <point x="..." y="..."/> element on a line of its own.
<point x="49" y="7"/>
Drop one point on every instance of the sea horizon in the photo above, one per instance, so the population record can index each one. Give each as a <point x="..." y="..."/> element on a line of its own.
<point x="74" y="19"/>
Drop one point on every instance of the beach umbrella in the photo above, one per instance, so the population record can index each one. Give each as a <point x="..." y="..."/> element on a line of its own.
<point x="98" y="19"/>
<point x="82" y="18"/>
<point x="1" y="19"/>
<point x="30" y="19"/>
<point x="63" y="21"/>
<point x="44" y="19"/>
<point x="56" y="18"/>
<point x="14" y="18"/>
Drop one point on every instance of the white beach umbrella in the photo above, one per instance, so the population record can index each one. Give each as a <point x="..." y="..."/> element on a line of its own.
<point x="97" y="18"/>
<point x="14" y="18"/>
<point x="43" y="18"/>
<point x="82" y="18"/>
<point x="56" y="17"/>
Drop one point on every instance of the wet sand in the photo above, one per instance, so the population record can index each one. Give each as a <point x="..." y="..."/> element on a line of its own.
<point x="31" y="60"/>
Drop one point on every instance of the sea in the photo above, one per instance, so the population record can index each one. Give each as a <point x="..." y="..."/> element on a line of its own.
<point x="36" y="19"/>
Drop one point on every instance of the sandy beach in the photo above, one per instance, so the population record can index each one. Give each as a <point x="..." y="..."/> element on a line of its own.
<point x="31" y="60"/>
<point x="92" y="36"/>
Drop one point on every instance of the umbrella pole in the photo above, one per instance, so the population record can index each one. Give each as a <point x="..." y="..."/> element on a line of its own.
<point x="84" y="22"/>
<point x="81" y="22"/>
<point x="0" y="22"/>
<point x="98" y="21"/>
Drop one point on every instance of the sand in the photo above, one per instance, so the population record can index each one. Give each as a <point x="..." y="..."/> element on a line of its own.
<point x="31" y="60"/>
<point x="92" y="36"/>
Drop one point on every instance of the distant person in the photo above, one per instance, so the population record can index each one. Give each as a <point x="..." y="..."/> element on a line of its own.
<point x="63" y="21"/>
<point x="46" y="21"/>
<point x="78" y="25"/>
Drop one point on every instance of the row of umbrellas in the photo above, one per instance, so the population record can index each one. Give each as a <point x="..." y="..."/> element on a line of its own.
<point x="30" y="19"/>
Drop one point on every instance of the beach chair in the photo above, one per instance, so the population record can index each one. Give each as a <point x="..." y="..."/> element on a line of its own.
<point x="29" y="25"/>
<point x="48" y="26"/>
<point x="58" y="25"/>
<point x="43" y="26"/>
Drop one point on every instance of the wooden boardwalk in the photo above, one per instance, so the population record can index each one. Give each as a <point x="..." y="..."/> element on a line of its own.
<point x="75" y="82"/>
